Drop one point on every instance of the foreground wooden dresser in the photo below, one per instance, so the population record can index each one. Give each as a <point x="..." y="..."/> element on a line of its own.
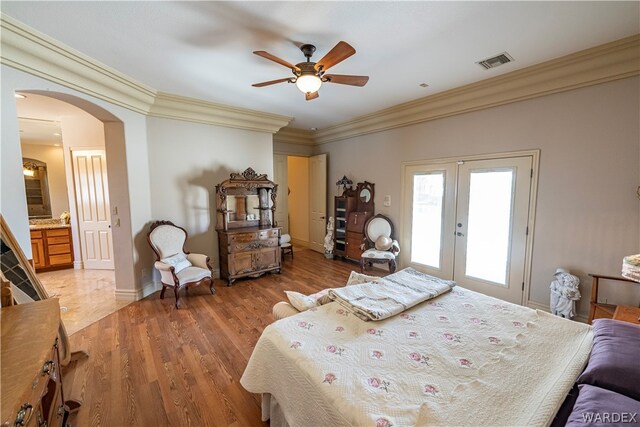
<point x="31" y="381"/>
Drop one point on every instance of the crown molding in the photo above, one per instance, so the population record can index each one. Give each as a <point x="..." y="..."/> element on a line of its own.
<point x="600" y="64"/>
<point x="33" y="52"/>
<point x="289" y="135"/>
<point x="171" y="106"/>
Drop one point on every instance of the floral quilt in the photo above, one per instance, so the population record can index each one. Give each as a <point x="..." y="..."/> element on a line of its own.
<point x="461" y="358"/>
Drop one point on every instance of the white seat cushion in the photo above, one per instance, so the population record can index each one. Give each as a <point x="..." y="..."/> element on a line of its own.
<point x="285" y="245"/>
<point x="375" y="254"/>
<point x="192" y="274"/>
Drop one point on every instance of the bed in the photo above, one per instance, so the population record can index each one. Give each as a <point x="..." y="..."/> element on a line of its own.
<point x="460" y="358"/>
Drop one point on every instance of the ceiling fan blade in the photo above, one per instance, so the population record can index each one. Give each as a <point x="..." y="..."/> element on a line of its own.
<point x="270" y="57"/>
<point x="309" y="96"/>
<point x="271" y="82"/>
<point x="339" y="53"/>
<point x="343" y="79"/>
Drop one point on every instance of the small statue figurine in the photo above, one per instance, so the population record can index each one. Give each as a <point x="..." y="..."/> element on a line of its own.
<point x="328" y="239"/>
<point x="564" y="294"/>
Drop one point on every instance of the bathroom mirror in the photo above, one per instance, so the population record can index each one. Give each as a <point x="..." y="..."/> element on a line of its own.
<point x="36" y="186"/>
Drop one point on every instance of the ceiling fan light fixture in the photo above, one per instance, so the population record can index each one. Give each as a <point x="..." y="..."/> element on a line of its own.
<point x="308" y="83"/>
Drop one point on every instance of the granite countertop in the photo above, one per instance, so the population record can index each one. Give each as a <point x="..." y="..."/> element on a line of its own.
<point x="46" y="224"/>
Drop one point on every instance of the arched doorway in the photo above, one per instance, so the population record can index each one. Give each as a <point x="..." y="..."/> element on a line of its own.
<point x="112" y="132"/>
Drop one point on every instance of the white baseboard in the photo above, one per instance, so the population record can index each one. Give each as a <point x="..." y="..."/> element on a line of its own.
<point x="536" y="305"/>
<point x="298" y="242"/>
<point x="138" y="294"/>
<point x="78" y="265"/>
<point x="148" y="289"/>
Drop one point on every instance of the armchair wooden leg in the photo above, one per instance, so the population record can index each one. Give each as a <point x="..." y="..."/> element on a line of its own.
<point x="362" y="265"/>
<point x="164" y="288"/>
<point x="211" y="288"/>
<point x="176" y="291"/>
<point x="392" y="265"/>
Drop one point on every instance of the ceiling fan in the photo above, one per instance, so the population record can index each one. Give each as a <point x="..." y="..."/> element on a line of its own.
<point x="309" y="76"/>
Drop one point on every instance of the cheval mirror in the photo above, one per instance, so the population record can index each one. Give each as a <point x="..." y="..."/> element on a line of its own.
<point x="20" y="283"/>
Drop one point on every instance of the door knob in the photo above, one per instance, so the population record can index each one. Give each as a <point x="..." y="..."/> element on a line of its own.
<point x="459" y="234"/>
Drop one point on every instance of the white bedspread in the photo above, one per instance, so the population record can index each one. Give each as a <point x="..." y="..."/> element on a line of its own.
<point x="390" y="295"/>
<point x="459" y="359"/>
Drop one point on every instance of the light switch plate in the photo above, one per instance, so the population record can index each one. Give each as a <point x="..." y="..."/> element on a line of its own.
<point x="387" y="200"/>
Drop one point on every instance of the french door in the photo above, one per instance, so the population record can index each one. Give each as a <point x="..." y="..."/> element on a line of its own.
<point x="468" y="221"/>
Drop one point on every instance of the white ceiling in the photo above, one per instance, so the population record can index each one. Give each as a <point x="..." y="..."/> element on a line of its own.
<point x="203" y="49"/>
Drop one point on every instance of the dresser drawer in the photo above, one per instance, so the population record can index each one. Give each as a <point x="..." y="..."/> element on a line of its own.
<point x="36" y="234"/>
<point x="249" y="237"/>
<point x="255" y="244"/>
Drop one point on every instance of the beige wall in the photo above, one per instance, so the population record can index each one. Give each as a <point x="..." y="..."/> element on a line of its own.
<point x="186" y="161"/>
<point x="299" y="198"/>
<point x="53" y="157"/>
<point x="587" y="214"/>
<point x="292" y="149"/>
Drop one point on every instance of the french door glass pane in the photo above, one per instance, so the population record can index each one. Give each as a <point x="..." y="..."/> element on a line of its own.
<point x="488" y="231"/>
<point x="426" y="237"/>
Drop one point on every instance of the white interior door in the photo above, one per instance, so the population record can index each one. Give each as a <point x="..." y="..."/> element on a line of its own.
<point x="318" y="201"/>
<point x="92" y="200"/>
<point x="281" y="177"/>
<point x="491" y="226"/>
<point x="468" y="221"/>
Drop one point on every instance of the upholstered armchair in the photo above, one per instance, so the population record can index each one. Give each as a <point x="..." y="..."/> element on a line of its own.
<point x="379" y="247"/>
<point x="178" y="268"/>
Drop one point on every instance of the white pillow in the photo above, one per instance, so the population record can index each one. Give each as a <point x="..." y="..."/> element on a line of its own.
<point x="322" y="297"/>
<point x="300" y="301"/>
<point x="178" y="261"/>
<point x="357" y="278"/>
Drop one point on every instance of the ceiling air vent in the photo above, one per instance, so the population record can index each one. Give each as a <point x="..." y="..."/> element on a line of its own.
<point x="495" y="61"/>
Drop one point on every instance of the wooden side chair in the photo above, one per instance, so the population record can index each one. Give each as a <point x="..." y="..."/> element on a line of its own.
<point x="178" y="268"/>
<point x="285" y="246"/>
<point x="379" y="245"/>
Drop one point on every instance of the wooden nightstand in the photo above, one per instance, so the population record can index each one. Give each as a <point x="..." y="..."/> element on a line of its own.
<point x="600" y="310"/>
<point x="626" y="313"/>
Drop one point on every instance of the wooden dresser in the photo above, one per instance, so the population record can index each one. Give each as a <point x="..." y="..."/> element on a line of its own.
<point x="32" y="392"/>
<point x="248" y="238"/>
<point x="248" y="251"/>
<point x="52" y="248"/>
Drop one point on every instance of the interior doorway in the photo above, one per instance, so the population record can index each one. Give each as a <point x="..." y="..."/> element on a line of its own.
<point x="76" y="149"/>
<point x="302" y="182"/>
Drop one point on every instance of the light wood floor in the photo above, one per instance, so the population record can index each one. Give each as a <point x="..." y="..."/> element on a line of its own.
<point x="86" y="296"/>
<point x="153" y="365"/>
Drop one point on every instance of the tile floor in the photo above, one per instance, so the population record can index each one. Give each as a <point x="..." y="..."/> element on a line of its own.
<point x="86" y="296"/>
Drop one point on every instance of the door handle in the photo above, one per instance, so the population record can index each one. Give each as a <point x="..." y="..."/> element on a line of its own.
<point x="459" y="234"/>
<point x="321" y="217"/>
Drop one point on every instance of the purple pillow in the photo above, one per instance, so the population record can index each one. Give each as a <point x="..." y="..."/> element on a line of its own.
<point x="614" y="363"/>
<point x="597" y="407"/>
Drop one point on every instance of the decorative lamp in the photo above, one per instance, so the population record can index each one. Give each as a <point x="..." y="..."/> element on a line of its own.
<point x="344" y="181"/>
